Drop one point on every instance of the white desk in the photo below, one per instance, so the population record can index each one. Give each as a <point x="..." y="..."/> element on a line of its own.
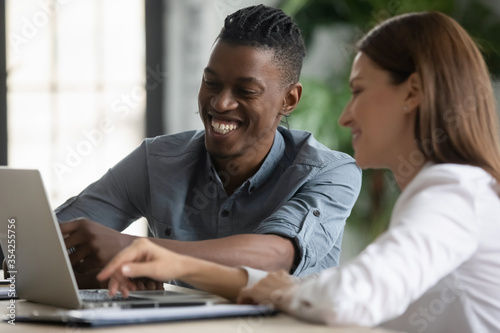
<point x="278" y="323"/>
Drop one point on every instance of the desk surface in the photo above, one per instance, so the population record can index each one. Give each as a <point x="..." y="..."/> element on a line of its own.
<point x="277" y="323"/>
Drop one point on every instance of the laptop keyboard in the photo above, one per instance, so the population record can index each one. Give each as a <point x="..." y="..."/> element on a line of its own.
<point x="102" y="296"/>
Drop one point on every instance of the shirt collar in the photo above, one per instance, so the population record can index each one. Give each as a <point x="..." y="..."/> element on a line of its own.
<point x="268" y="166"/>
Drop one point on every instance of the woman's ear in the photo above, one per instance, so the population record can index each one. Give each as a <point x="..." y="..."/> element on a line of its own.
<point x="414" y="96"/>
<point x="291" y="99"/>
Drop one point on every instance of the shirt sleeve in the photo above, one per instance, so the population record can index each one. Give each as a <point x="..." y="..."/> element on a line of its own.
<point x="118" y="198"/>
<point x="316" y="214"/>
<point x="254" y="275"/>
<point x="433" y="231"/>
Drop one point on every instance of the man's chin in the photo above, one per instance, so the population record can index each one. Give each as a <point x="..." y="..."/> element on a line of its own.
<point x="221" y="155"/>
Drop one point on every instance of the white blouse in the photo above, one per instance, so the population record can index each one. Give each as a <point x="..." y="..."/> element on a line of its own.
<point x="436" y="269"/>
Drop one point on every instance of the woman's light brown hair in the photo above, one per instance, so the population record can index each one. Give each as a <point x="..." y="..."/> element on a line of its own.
<point x="457" y="121"/>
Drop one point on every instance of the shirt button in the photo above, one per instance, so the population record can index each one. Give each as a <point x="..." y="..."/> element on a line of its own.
<point x="225" y="213"/>
<point x="316" y="213"/>
<point x="168" y="232"/>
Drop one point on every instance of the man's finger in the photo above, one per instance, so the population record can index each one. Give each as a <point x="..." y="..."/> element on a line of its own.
<point x="71" y="226"/>
<point x="78" y="254"/>
<point x="76" y="238"/>
<point x="140" y="285"/>
<point x="87" y="266"/>
<point x="150" y="284"/>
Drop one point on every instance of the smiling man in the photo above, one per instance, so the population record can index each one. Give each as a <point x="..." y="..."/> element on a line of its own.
<point x="245" y="191"/>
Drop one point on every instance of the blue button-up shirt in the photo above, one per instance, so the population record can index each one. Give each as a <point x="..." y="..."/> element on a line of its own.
<point x="303" y="191"/>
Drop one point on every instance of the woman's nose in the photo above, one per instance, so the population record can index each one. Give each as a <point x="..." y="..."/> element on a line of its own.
<point x="345" y="118"/>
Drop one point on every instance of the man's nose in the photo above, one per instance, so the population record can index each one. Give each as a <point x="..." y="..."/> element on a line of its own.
<point x="223" y="101"/>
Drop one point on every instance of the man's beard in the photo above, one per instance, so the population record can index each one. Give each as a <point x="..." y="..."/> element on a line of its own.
<point x="222" y="156"/>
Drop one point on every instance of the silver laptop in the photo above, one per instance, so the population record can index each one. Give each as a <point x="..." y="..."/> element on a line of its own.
<point x="30" y="234"/>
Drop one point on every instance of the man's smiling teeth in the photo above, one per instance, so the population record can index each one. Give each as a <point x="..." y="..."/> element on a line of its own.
<point x="223" y="128"/>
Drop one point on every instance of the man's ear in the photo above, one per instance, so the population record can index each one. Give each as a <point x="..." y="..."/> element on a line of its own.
<point x="414" y="95"/>
<point x="291" y="99"/>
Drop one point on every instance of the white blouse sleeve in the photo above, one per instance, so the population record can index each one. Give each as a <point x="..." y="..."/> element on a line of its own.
<point x="433" y="230"/>
<point x="254" y="275"/>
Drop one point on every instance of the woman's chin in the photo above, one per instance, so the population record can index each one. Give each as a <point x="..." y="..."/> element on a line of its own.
<point x="360" y="161"/>
<point x="365" y="163"/>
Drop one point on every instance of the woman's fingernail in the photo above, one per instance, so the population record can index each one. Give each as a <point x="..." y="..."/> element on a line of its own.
<point x="125" y="270"/>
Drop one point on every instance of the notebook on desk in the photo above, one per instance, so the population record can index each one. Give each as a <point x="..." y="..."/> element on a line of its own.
<point x="40" y="265"/>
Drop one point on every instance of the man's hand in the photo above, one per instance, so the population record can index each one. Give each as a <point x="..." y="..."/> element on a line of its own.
<point x="91" y="245"/>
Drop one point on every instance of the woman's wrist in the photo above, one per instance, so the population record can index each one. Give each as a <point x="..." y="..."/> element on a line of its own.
<point x="219" y="279"/>
<point x="186" y="267"/>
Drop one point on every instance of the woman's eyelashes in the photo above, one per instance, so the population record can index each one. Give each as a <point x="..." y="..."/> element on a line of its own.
<point x="356" y="91"/>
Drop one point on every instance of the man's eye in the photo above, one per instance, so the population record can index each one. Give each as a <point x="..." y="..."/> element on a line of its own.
<point x="210" y="84"/>
<point x="244" y="91"/>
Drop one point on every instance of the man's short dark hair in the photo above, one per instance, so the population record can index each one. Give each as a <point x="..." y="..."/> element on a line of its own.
<point x="267" y="28"/>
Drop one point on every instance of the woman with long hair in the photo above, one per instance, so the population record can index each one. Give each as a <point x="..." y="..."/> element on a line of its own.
<point x="422" y="106"/>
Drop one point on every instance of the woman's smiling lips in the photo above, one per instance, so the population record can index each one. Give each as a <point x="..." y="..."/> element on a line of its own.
<point x="355" y="136"/>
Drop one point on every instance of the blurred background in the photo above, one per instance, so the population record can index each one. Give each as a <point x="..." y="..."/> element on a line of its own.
<point x="88" y="80"/>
